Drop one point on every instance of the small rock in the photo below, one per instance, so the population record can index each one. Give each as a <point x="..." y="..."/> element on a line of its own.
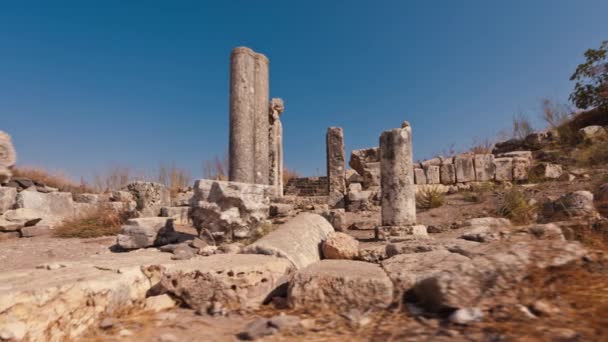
<point x="125" y="333"/>
<point x="167" y="338"/>
<point x="198" y="243"/>
<point x="356" y="318"/>
<point x="207" y="250"/>
<point x="159" y="303"/>
<point x="340" y="246"/>
<point x="183" y="252"/>
<point x="308" y="323"/>
<point x="256" y="329"/>
<point x="435" y="229"/>
<point x="466" y="315"/>
<point x="50" y="266"/>
<point x="216" y="309"/>
<point x="231" y="248"/>
<point x="543" y="308"/>
<point x="106" y="323"/>
<point x="283" y="322"/>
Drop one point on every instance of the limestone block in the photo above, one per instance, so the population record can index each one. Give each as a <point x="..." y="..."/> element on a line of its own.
<point x="547" y="171"/>
<point x="53" y="207"/>
<point x="150" y="197"/>
<point x="340" y="246"/>
<point x="230" y="210"/>
<point x="180" y="215"/>
<point x="397" y="233"/>
<point x="520" y="168"/>
<point x="484" y="167"/>
<point x="298" y="240"/>
<point x="504" y="169"/>
<point x="359" y="159"/>
<point x="33" y="231"/>
<point x="419" y="176"/>
<point x="8" y="197"/>
<point x="235" y="281"/>
<point x="464" y="167"/>
<point x="91" y="198"/>
<point x="448" y="174"/>
<point x="146" y="232"/>
<point x="432" y="173"/>
<point x="340" y="285"/>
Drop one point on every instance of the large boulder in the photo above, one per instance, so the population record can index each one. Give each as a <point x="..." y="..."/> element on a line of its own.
<point x="52" y="207"/>
<point x="405" y="270"/>
<point x="340" y="246"/>
<point x="146" y="232"/>
<point x="570" y="205"/>
<point x="230" y="210"/>
<point x="340" y="285"/>
<point x="150" y="197"/>
<point x="234" y="281"/>
<point x="494" y="268"/>
<point x="298" y="240"/>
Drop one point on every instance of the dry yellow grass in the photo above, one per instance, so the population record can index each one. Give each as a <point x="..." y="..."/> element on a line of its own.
<point x="103" y="221"/>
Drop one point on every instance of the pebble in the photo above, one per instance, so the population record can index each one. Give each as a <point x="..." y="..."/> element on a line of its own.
<point x="466" y="315"/>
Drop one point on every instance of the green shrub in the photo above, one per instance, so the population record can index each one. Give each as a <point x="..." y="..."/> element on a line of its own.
<point x="515" y="206"/>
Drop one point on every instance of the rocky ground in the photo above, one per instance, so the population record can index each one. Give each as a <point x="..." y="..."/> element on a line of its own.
<point x="554" y="295"/>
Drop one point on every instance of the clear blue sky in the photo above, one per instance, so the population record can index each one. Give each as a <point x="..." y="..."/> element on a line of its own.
<point x="85" y="85"/>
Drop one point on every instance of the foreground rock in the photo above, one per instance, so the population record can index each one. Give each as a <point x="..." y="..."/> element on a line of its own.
<point x="495" y="267"/>
<point x="61" y="303"/>
<point x="571" y="205"/>
<point x="229" y="210"/>
<point x="146" y="232"/>
<point x="298" y="240"/>
<point x="234" y="281"/>
<point x="340" y="285"/>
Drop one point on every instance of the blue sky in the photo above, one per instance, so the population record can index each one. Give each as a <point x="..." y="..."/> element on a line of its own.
<point x="86" y="85"/>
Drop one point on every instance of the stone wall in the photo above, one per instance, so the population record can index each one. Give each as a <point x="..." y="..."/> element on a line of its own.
<point x="307" y="186"/>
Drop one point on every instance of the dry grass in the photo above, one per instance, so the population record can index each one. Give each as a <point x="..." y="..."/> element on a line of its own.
<point x="478" y="193"/>
<point x="113" y="179"/>
<point x="482" y="147"/>
<point x="593" y="154"/>
<point x="216" y="168"/>
<point x="174" y="178"/>
<point x="52" y="179"/>
<point x="515" y="206"/>
<point x="554" y="114"/>
<point x="103" y="221"/>
<point x="429" y="198"/>
<point x="522" y="126"/>
<point x="289" y="174"/>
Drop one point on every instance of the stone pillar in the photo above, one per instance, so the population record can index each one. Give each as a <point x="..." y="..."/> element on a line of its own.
<point x="397" y="177"/>
<point x="336" y="176"/>
<point x="8" y="157"/>
<point x="275" y="141"/>
<point x="261" y="94"/>
<point x="242" y="116"/>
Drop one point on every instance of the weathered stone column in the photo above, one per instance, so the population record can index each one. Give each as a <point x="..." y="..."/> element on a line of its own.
<point x="8" y="157"/>
<point x="261" y="94"/>
<point x="398" y="199"/>
<point x="242" y="115"/>
<point x="275" y="141"/>
<point x="335" y="167"/>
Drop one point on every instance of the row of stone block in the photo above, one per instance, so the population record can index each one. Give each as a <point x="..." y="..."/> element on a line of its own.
<point x="473" y="168"/>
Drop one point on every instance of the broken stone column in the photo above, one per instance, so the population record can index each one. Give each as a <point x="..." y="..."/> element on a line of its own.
<point x="8" y="157"/>
<point x="261" y="94"/>
<point x="248" y="117"/>
<point x="242" y="118"/>
<point x="275" y="141"/>
<point x="398" y="201"/>
<point x="336" y="176"/>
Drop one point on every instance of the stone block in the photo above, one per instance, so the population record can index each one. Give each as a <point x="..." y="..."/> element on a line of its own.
<point x="8" y="198"/>
<point x="484" y="167"/>
<point x="146" y="232"/>
<point x="448" y="174"/>
<point x="340" y="246"/>
<point x="34" y="231"/>
<point x="53" y="207"/>
<point x="150" y="197"/>
<point x="419" y="176"/>
<point x="520" y="168"/>
<point x="432" y="173"/>
<point x="504" y="169"/>
<point x="464" y="167"/>
<point x="340" y="285"/>
<point x="180" y="215"/>
<point x="234" y="281"/>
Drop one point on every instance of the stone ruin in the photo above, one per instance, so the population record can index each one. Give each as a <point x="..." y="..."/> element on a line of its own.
<point x="8" y="157"/>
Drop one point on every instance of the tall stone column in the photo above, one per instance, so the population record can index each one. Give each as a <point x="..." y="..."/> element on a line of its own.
<point x="335" y="167"/>
<point x="397" y="177"/>
<point x="275" y="141"/>
<point x="242" y="115"/>
<point x="261" y="98"/>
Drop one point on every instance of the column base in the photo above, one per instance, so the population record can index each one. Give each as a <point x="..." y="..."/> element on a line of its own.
<point x="396" y="233"/>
